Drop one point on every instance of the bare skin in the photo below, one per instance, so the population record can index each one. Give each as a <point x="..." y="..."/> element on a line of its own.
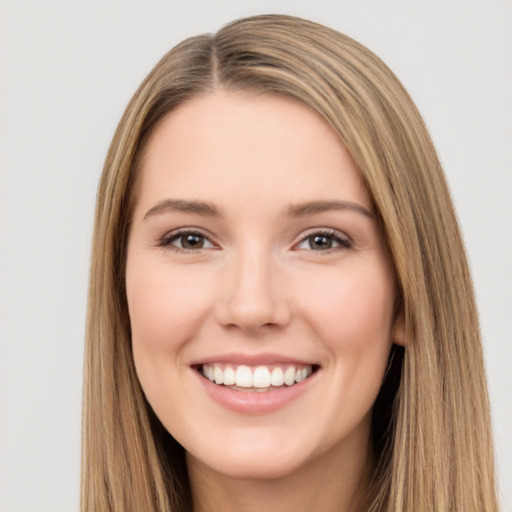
<point x="254" y="247"/>
<point x="312" y="488"/>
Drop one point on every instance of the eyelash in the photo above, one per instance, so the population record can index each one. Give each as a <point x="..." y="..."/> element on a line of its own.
<point x="343" y="242"/>
<point x="168" y="239"/>
<point x="334" y="236"/>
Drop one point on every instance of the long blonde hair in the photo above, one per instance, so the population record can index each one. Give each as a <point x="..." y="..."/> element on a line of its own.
<point x="431" y="428"/>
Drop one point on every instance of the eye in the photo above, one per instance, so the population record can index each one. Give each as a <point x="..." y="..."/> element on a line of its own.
<point x="324" y="241"/>
<point x="186" y="241"/>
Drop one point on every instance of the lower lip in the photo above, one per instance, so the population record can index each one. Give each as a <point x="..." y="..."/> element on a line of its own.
<point x="254" y="402"/>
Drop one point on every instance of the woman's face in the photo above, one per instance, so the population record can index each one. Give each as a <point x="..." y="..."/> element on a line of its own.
<point x="255" y="259"/>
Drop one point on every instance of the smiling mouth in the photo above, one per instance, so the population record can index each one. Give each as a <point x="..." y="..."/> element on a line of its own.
<point x="260" y="378"/>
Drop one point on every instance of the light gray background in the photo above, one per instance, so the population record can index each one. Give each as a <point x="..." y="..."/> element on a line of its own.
<point x="67" y="71"/>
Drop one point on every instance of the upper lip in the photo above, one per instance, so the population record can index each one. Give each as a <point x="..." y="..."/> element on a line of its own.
<point x="251" y="359"/>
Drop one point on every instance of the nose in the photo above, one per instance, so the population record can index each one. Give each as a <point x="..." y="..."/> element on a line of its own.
<point x="252" y="295"/>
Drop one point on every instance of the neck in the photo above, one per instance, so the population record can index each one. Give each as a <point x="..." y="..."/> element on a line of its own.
<point x="333" y="482"/>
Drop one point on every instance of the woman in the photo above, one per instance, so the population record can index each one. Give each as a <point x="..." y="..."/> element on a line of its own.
<point x="280" y="309"/>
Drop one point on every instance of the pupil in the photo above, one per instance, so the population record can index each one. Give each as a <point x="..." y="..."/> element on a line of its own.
<point x="192" y="241"/>
<point x="321" y="242"/>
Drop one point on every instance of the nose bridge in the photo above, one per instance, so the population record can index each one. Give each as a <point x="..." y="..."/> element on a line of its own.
<point x="252" y="296"/>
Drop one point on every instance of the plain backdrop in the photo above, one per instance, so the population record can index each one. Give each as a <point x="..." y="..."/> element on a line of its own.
<point x="67" y="70"/>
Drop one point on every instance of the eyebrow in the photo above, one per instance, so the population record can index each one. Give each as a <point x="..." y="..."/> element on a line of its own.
<point x="182" y="206"/>
<point x="294" y="210"/>
<point x="312" y="207"/>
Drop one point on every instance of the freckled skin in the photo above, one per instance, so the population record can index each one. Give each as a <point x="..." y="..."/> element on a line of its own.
<point x="257" y="285"/>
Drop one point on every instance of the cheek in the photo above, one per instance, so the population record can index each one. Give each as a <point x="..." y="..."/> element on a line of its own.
<point x="165" y="306"/>
<point x="165" y="309"/>
<point x="353" y="317"/>
<point x="352" y="309"/>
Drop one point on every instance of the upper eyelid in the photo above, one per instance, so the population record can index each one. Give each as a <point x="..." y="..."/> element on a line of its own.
<point x="324" y="231"/>
<point x="188" y="229"/>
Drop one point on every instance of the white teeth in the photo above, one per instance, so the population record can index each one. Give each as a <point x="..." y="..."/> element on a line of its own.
<point x="289" y="376"/>
<point x="243" y="377"/>
<point x="229" y="376"/>
<point x="218" y="375"/>
<point x="260" y="377"/>
<point x="277" y="377"/>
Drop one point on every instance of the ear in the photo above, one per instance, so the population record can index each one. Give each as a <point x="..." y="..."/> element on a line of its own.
<point x="398" y="334"/>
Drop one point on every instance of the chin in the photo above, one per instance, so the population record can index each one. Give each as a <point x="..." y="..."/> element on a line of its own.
<point x="264" y="453"/>
<point x="253" y="467"/>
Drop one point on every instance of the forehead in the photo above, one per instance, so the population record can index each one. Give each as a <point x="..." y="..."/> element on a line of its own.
<point x="228" y="146"/>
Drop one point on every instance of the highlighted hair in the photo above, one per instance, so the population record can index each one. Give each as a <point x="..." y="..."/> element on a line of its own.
<point x="431" y="424"/>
